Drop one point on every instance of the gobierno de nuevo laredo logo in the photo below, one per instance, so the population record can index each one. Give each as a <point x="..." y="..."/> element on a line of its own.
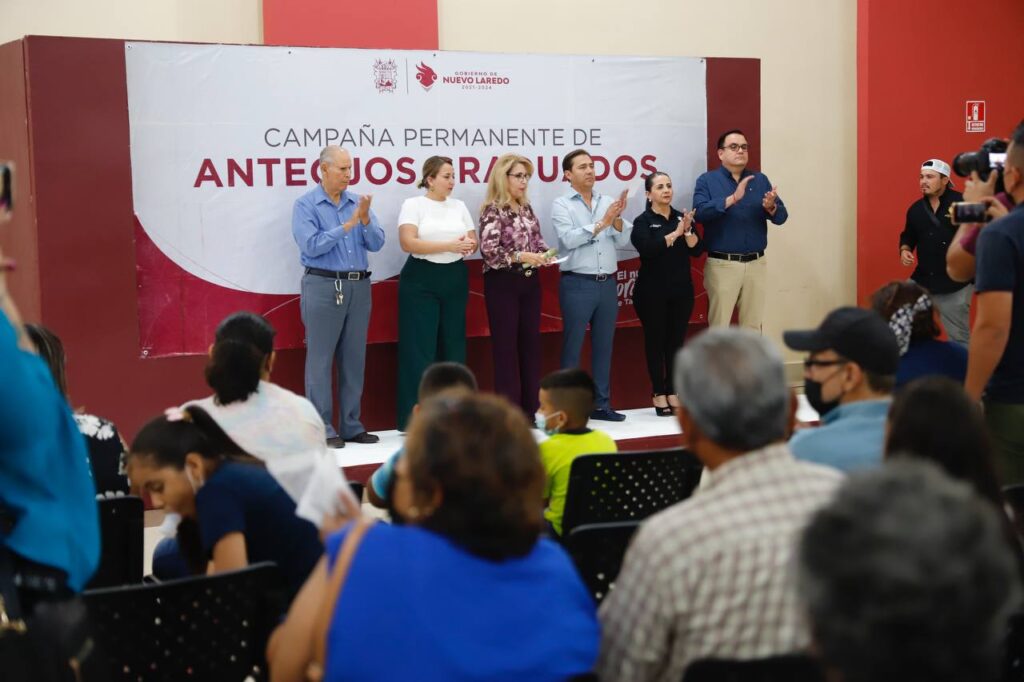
<point x="385" y="77"/>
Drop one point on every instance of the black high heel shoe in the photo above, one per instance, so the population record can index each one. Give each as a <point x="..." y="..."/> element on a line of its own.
<point x="662" y="411"/>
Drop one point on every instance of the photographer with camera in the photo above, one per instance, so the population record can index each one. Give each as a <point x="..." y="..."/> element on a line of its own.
<point x="984" y="195"/>
<point x="995" y="365"/>
<point x="928" y="230"/>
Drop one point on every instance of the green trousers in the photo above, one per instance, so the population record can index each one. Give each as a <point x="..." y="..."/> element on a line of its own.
<point x="432" y="301"/>
<point x="1006" y="423"/>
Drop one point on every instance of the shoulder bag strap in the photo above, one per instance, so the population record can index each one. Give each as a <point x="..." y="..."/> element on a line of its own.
<point x="336" y="582"/>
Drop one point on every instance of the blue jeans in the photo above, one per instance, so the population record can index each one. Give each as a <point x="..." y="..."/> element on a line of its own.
<point x="585" y="301"/>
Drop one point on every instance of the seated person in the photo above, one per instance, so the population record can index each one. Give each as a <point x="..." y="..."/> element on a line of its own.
<point x="463" y="587"/>
<point x="566" y="401"/>
<point x="269" y="422"/>
<point x="106" y="448"/>
<point x="438" y="377"/>
<point x="233" y="512"/>
<point x="906" y="577"/>
<point x="848" y="379"/>
<point x="908" y="308"/>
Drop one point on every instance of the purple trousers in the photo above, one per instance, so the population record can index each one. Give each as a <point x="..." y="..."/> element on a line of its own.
<point x="513" y="311"/>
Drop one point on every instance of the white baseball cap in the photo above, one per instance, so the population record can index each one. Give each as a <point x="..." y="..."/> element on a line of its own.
<point x="937" y="165"/>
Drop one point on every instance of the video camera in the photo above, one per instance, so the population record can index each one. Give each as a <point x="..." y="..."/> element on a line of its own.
<point x="991" y="157"/>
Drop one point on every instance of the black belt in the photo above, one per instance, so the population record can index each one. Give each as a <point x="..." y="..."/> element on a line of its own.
<point x="741" y="257"/>
<point x="596" y="278"/>
<point x="334" y="274"/>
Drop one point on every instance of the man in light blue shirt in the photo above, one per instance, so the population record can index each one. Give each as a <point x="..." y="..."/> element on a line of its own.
<point x="334" y="229"/>
<point x="848" y="379"/>
<point x="590" y="231"/>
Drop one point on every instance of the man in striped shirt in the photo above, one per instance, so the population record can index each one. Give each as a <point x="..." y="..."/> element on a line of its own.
<point x="709" y="577"/>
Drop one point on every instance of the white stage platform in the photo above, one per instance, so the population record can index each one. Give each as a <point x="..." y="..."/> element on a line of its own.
<point x="640" y="423"/>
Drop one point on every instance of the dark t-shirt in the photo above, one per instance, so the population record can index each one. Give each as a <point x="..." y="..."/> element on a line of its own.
<point x="932" y="357"/>
<point x="1000" y="267"/>
<point x="245" y="498"/>
<point x="930" y="233"/>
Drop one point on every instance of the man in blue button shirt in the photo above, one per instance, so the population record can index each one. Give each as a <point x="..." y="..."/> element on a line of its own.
<point x="734" y="205"/>
<point x="848" y="379"/>
<point x="590" y="231"/>
<point x="334" y="229"/>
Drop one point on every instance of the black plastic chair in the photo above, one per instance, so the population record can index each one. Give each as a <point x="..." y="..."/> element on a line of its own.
<point x="627" y="486"/>
<point x="357" y="490"/>
<point x="786" y="668"/>
<point x="597" y="550"/>
<point x="121" y="542"/>
<point x="203" y="628"/>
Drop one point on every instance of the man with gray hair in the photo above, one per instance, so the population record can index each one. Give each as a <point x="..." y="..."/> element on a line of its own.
<point x="334" y="229"/>
<point x="707" y="577"/>
<point x="907" y="576"/>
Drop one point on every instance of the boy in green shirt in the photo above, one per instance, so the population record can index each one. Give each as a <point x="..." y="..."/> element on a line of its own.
<point x="566" y="401"/>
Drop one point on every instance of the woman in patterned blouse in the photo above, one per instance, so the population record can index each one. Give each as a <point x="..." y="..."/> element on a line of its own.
<point x="513" y="249"/>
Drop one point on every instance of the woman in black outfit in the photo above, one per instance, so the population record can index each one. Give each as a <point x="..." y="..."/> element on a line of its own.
<point x="663" y="296"/>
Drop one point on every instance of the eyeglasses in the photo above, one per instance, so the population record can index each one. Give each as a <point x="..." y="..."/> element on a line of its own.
<point x="808" y="363"/>
<point x="737" y="147"/>
<point x="522" y="177"/>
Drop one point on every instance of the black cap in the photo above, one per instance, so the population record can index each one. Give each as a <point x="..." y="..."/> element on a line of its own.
<point x="854" y="333"/>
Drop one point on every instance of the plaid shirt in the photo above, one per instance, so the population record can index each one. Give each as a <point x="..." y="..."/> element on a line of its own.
<point x="709" y="577"/>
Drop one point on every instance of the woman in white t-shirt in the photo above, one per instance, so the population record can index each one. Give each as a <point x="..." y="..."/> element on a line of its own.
<point x="438" y="234"/>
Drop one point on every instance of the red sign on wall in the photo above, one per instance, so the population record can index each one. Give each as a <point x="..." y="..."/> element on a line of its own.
<point x="975" y="116"/>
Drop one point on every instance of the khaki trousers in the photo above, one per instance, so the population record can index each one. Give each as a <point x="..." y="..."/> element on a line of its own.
<point x="731" y="282"/>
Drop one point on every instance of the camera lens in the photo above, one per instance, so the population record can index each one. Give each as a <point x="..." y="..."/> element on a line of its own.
<point x="965" y="162"/>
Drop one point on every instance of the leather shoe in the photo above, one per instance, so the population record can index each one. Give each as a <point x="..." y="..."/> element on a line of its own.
<point x="364" y="438"/>
<point x="607" y="415"/>
<point x="336" y="442"/>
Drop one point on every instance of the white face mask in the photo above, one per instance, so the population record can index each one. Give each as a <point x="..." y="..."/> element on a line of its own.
<point x="541" y="422"/>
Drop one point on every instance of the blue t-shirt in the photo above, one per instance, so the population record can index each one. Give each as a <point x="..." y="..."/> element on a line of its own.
<point x="245" y="498"/>
<point x="932" y="357"/>
<point x="1000" y="267"/>
<point x="415" y="606"/>
<point x="851" y="437"/>
<point x="45" y="480"/>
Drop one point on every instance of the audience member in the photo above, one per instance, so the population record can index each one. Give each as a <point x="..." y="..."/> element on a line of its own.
<point x="233" y="512"/>
<point x="847" y="379"/>
<point x="566" y="400"/>
<point x="439" y="377"/>
<point x="707" y="576"/>
<point x="933" y="419"/>
<point x="907" y="307"/>
<point x="49" y="527"/>
<point x="906" y="578"/>
<point x="465" y="588"/>
<point x="106" y="447"/>
<point x="267" y="421"/>
<point x="995" y="365"/>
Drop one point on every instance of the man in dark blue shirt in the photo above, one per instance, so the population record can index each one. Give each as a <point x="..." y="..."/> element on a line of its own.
<point x="995" y="361"/>
<point x="734" y="205"/>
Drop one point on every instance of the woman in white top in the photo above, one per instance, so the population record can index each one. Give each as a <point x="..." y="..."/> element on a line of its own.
<point x="438" y="234"/>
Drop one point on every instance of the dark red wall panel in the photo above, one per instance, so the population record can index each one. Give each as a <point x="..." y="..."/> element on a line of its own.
<point x="918" y="62"/>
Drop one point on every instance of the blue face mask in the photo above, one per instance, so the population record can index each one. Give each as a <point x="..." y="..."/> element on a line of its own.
<point x="541" y="422"/>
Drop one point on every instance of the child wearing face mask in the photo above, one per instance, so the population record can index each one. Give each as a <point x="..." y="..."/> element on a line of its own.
<point x="566" y="401"/>
<point x="233" y="512"/>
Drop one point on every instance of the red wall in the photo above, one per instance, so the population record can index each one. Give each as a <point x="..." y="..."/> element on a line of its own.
<point x="917" y="63"/>
<point x="83" y="282"/>
<point x="394" y="24"/>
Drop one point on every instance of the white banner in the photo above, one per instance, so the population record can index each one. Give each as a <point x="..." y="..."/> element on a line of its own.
<point x="224" y="138"/>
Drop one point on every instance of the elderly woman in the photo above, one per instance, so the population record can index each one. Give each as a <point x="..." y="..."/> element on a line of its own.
<point x="463" y="587"/>
<point x="438" y="234"/>
<point x="663" y="298"/>
<point x="513" y="249"/>
<point x="908" y="308"/>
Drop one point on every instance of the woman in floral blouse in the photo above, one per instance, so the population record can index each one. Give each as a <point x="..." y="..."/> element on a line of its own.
<point x="513" y="249"/>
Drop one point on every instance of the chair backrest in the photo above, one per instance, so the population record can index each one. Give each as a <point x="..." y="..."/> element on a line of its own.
<point x="627" y="486"/>
<point x="357" y="490"/>
<point x="202" y="628"/>
<point x="121" y="542"/>
<point x="785" y="668"/>
<point x="597" y="550"/>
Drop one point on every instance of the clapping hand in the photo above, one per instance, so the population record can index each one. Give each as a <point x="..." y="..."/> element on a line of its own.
<point x="769" y="199"/>
<point x="741" y="189"/>
<point x="464" y="245"/>
<point x="363" y="210"/>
